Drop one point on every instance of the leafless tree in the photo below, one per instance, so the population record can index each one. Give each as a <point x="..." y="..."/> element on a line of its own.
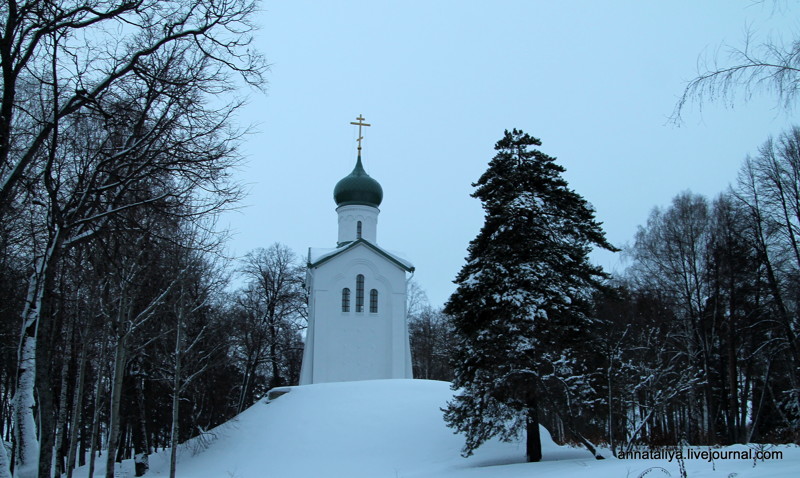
<point x="432" y="339"/>
<point x="769" y="190"/>
<point x="73" y="52"/>
<point x="104" y="110"/>
<point x="716" y="287"/>
<point x="276" y="299"/>
<point x="670" y="254"/>
<point x="192" y="353"/>
<point x="771" y="66"/>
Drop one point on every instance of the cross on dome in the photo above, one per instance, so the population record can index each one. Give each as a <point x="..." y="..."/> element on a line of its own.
<point x="360" y="123"/>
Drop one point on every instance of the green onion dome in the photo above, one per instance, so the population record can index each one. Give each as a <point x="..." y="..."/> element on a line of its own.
<point x="358" y="188"/>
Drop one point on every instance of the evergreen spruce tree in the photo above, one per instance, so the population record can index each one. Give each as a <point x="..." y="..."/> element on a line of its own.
<point x="522" y="305"/>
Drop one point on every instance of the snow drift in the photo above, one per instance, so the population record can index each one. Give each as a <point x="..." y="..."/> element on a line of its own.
<point x="394" y="429"/>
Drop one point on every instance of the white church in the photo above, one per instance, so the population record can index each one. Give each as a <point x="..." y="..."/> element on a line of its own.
<point x="357" y="324"/>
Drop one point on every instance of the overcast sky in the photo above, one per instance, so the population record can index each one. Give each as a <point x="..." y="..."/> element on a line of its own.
<point x="439" y="81"/>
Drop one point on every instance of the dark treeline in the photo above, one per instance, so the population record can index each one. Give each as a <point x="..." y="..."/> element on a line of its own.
<point x="151" y="350"/>
<point x="698" y="344"/>
<point x="701" y="343"/>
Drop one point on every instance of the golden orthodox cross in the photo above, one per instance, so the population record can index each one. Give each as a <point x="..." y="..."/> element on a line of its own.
<point x="360" y="124"/>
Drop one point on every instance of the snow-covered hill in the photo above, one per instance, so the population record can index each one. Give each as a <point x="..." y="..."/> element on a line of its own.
<point x="392" y="429"/>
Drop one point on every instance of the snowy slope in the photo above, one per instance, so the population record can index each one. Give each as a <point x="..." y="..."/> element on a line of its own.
<point x="394" y="428"/>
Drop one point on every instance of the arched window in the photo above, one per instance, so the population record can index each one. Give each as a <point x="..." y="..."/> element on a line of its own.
<point x="373" y="301"/>
<point x="358" y="230"/>
<point x="360" y="293"/>
<point x="346" y="299"/>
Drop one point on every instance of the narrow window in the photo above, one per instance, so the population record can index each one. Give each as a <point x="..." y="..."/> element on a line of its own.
<point x="373" y="301"/>
<point x="358" y="230"/>
<point x="346" y="299"/>
<point x="360" y="293"/>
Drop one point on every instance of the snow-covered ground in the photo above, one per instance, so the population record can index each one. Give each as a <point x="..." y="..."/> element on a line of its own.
<point x="394" y="429"/>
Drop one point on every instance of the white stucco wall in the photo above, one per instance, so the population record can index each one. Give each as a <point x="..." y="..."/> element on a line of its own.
<point x="349" y="216"/>
<point x="344" y="346"/>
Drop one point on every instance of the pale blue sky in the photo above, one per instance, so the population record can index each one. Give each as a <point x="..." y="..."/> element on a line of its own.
<point x="440" y="81"/>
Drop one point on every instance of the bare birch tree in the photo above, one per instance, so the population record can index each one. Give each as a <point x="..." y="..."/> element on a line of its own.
<point x="108" y="40"/>
<point x="93" y="124"/>
<point x="280" y="302"/>
<point x="771" y="66"/>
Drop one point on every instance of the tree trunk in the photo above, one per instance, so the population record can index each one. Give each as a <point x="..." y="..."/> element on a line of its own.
<point x="733" y="385"/>
<point x="44" y="388"/>
<point x="785" y="322"/>
<point x="46" y="332"/>
<point x="77" y="399"/>
<point x="5" y="398"/>
<point x="5" y="462"/>
<point x="116" y="393"/>
<point x="533" y="442"/>
<point x="96" y="413"/>
<point x="176" y="391"/>
<point x="26" y="449"/>
<point x="610" y="424"/>
<point x="61" y="423"/>
<point x="276" y="380"/>
<point x="772" y="283"/>
<point x="32" y="457"/>
<point x="757" y="409"/>
<point x="243" y="395"/>
<point x="747" y="400"/>
<point x="124" y="441"/>
<point x="27" y="446"/>
<point x="140" y="442"/>
<point x="83" y="443"/>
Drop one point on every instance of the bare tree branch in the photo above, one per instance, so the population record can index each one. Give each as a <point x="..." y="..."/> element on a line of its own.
<point x="770" y="67"/>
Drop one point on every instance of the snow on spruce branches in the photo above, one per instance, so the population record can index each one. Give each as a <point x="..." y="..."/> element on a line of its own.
<point x="523" y="297"/>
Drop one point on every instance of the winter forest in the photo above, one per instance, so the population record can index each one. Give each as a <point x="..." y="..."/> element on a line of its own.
<point x="125" y="329"/>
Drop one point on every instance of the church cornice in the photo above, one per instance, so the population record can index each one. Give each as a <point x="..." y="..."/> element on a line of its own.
<point x="405" y="265"/>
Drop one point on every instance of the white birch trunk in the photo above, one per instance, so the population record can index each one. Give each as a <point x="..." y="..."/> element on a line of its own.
<point x="27" y="450"/>
<point x="176" y="391"/>
<point x="5" y="462"/>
